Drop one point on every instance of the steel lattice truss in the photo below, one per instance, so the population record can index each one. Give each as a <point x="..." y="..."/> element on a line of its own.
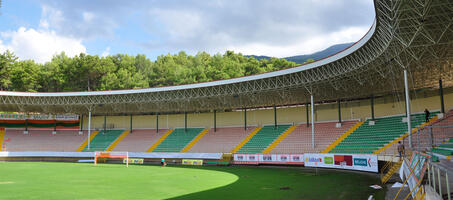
<point x="416" y="35"/>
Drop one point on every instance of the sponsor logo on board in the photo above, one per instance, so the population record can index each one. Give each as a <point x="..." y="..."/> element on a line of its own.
<point x="360" y="162"/>
<point x="283" y="158"/>
<point x="328" y="160"/>
<point x="267" y="158"/>
<point x="313" y="159"/>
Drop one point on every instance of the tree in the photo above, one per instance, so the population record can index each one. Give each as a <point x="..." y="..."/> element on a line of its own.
<point x="309" y="61"/>
<point x="7" y="59"/>
<point x="25" y="76"/>
<point x="86" y="72"/>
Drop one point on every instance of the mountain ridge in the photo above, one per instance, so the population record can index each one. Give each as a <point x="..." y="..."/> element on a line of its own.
<point x="300" y="59"/>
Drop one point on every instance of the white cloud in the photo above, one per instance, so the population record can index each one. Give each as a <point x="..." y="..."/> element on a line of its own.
<point x="268" y="28"/>
<point x="2" y="47"/>
<point x="283" y="28"/>
<point x="50" y="16"/>
<point x="83" y="21"/>
<point x="88" y="16"/>
<point x="106" y="52"/>
<point x="40" y="45"/>
<point x="180" y="24"/>
<point x="303" y="46"/>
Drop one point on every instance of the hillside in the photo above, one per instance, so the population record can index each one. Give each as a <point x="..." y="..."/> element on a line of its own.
<point x="300" y="59"/>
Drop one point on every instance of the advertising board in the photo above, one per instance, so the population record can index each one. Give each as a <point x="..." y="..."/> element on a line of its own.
<point x="287" y="159"/>
<point x="360" y="162"/>
<point x="134" y="161"/>
<point x="192" y="162"/>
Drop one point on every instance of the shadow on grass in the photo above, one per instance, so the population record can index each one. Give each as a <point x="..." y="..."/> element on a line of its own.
<point x="290" y="183"/>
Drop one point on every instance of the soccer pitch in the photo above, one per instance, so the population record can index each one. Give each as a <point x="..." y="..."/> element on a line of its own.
<point x="45" y="180"/>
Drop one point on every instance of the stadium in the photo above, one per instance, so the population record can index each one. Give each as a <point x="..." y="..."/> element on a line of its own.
<point x="327" y="129"/>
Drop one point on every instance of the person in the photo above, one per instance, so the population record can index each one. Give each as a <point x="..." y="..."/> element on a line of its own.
<point x="162" y="162"/>
<point x="400" y="149"/>
<point x="427" y="115"/>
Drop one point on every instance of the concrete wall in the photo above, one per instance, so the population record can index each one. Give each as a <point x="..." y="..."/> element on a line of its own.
<point x="384" y="106"/>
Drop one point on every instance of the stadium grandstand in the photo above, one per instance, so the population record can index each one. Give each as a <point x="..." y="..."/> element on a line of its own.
<point x="362" y="100"/>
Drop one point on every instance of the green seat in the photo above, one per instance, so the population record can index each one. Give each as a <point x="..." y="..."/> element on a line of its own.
<point x="178" y="139"/>
<point x="263" y="139"/>
<point x="444" y="152"/>
<point x="368" y="139"/>
<point x="103" y="140"/>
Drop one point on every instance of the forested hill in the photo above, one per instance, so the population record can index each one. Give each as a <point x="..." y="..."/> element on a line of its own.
<point x="92" y="73"/>
<point x="300" y="59"/>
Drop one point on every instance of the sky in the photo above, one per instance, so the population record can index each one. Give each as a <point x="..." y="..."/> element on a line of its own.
<point x="39" y="29"/>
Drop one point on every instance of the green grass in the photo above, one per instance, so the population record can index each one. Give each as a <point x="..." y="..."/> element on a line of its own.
<point x="35" y="180"/>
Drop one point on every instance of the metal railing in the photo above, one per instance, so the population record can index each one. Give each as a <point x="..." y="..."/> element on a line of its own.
<point x="427" y="137"/>
<point x="439" y="182"/>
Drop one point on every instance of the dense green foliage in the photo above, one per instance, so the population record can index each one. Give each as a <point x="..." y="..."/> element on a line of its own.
<point x="91" y="73"/>
<point x="41" y="180"/>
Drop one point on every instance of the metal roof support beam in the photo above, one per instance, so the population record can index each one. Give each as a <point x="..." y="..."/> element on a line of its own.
<point x="245" y="118"/>
<point x="441" y="94"/>
<point x="185" y="121"/>
<point x="130" y="124"/>
<point x="89" y="129"/>
<point x="308" y="115"/>
<point x="372" y="107"/>
<point x="81" y="124"/>
<point x="215" y="121"/>
<point x="312" y="122"/>
<point x="408" y="108"/>
<point x="339" y="110"/>
<point x="275" y="117"/>
<point x="26" y="125"/>
<point x="105" y="124"/>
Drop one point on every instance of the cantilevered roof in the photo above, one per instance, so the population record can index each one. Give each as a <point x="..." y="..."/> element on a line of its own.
<point x="416" y="35"/>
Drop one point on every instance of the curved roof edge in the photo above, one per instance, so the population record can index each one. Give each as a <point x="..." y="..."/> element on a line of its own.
<point x="357" y="45"/>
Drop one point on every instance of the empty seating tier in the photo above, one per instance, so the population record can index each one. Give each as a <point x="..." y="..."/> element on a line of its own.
<point x="177" y="140"/>
<point x="103" y="140"/>
<point x="299" y="141"/>
<point x="43" y="140"/>
<point x="369" y="138"/>
<point x="263" y="139"/>
<point x="139" y="140"/>
<point x="223" y="140"/>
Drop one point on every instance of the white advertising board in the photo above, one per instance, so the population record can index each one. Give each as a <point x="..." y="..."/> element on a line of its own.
<point x="131" y="155"/>
<point x="252" y="158"/>
<point x="360" y="162"/>
<point x="21" y="116"/>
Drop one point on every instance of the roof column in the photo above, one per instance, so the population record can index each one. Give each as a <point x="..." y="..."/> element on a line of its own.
<point x="245" y="118"/>
<point x="26" y="125"/>
<point x="312" y="122"/>
<point x="54" y="126"/>
<point x="441" y="94"/>
<point x="215" y="121"/>
<point x="89" y="129"/>
<point x="308" y="115"/>
<point x="81" y="125"/>
<point x="157" y="122"/>
<point x="408" y="108"/>
<point x="131" y="124"/>
<point x="275" y="117"/>
<point x="339" y="110"/>
<point x="372" y="107"/>
<point x="105" y="124"/>
<point x="185" y="121"/>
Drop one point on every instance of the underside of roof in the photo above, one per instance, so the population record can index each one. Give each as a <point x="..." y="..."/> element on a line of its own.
<point x="416" y="35"/>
